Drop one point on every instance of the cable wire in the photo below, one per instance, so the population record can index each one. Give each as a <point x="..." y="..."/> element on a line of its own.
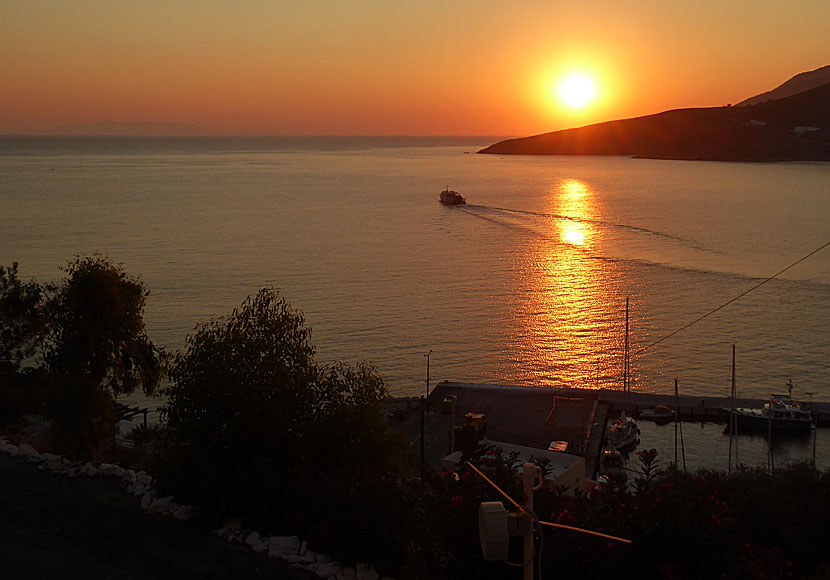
<point x="531" y="514"/>
<point x="735" y="299"/>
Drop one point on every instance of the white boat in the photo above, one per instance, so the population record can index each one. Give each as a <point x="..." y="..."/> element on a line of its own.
<point x="450" y="197"/>
<point x="780" y="413"/>
<point x="611" y="466"/>
<point x="623" y="432"/>
<point x="659" y="414"/>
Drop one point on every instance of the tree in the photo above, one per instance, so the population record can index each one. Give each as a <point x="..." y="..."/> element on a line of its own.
<point x="261" y="423"/>
<point x="22" y="329"/>
<point x="98" y="349"/>
<point x="21" y="321"/>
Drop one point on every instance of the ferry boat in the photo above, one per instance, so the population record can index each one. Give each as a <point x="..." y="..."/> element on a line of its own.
<point x="449" y="197"/>
<point x="780" y="413"/>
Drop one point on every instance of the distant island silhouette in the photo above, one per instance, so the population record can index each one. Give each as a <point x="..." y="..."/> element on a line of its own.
<point x="130" y="128"/>
<point x="789" y="123"/>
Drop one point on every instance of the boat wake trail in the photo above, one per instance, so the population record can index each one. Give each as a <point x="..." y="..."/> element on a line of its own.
<point x="694" y="244"/>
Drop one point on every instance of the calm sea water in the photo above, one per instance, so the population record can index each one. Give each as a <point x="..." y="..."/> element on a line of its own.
<point x="525" y="285"/>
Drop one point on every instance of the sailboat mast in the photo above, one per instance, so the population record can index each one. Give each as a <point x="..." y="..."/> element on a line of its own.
<point x="626" y="368"/>
<point x="733" y="419"/>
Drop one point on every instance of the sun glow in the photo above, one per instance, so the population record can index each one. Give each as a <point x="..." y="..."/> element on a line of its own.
<point x="577" y="90"/>
<point x="573" y="234"/>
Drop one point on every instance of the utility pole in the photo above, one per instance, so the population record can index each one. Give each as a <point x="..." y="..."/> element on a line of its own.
<point x="427" y="356"/>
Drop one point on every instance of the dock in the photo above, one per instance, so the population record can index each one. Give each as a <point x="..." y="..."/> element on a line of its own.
<point x="545" y="417"/>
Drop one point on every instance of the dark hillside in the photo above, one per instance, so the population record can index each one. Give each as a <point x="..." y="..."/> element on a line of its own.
<point x="798" y="84"/>
<point x="796" y="128"/>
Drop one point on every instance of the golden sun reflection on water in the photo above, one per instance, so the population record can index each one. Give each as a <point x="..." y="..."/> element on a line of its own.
<point x="570" y="299"/>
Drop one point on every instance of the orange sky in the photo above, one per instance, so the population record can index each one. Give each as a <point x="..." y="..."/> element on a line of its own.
<point x="406" y="67"/>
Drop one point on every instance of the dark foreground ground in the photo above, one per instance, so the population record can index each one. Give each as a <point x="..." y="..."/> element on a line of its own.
<point x="55" y="527"/>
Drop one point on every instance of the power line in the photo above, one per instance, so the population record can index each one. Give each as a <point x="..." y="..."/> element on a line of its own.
<point x="736" y="298"/>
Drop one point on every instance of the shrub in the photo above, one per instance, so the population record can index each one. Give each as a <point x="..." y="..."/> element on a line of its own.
<point x="97" y="349"/>
<point x="22" y="328"/>
<point x="266" y="432"/>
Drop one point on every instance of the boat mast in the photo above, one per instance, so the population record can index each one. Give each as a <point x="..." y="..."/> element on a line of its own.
<point x="733" y="419"/>
<point x="625" y="357"/>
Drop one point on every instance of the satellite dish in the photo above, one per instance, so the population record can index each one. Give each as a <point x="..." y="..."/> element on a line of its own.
<point x="492" y="530"/>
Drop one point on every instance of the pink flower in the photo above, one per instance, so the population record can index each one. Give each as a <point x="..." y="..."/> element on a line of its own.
<point x="457" y="500"/>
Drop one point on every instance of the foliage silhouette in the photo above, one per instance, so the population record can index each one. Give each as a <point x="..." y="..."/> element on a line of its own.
<point x="263" y="430"/>
<point x="98" y="348"/>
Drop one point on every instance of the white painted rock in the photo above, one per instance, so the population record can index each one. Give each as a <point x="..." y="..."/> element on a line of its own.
<point x="347" y="574"/>
<point x="89" y="469"/>
<point x="135" y="488"/>
<point x="325" y="570"/>
<point x="323" y="558"/>
<point x="161" y="505"/>
<point x="253" y="538"/>
<point x="366" y="572"/>
<point x="184" y="512"/>
<point x="255" y="541"/>
<point x="283" y="546"/>
<point x="107" y="469"/>
<point x="129" y="476"/>
<point x="144" y="479"/>
<point x="8" y="448"/>
<point x="25" y="450"/>
<point x="146" y="501"/>
<point x="299" y="560"/>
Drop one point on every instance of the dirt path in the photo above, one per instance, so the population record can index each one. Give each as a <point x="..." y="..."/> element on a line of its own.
<point x="55" y="527"/>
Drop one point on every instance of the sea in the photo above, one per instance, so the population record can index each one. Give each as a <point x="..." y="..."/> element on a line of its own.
<point x="526" y="284"/>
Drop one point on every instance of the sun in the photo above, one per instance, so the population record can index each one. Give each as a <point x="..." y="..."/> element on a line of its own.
<point x="577" y="90"/>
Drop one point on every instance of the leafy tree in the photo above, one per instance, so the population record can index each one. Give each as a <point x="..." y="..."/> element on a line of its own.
<point x="22" y="328"/>
<point x="98" y="349"/>
<point x="261" y="424"/>
<point x="21" y="321"/>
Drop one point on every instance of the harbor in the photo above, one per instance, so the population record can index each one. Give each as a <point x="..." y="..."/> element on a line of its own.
<point x="567" y="420"/>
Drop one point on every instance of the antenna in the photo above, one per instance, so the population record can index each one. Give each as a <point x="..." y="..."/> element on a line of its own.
<point x="496" y="525"/>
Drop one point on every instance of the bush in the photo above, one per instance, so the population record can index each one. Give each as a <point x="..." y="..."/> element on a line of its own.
<point x="266" y="432"/>
<point x="21" y="321"/>
<point x="97" y="349"/>
<point x="22" y="328"/>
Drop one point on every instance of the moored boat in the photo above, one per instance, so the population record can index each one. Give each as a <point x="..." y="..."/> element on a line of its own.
<point x="659" y="414"/>
<point x="450" y="197"/>
<point x="623" y="432"/>
<point x="612" y="466"/>
<point x="780" y="413"/>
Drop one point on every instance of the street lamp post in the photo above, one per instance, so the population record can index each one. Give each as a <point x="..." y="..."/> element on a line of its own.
<point x="427" y="355"/>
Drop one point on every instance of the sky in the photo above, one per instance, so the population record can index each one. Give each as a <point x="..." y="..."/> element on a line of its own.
<point x="390" y="67"/>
